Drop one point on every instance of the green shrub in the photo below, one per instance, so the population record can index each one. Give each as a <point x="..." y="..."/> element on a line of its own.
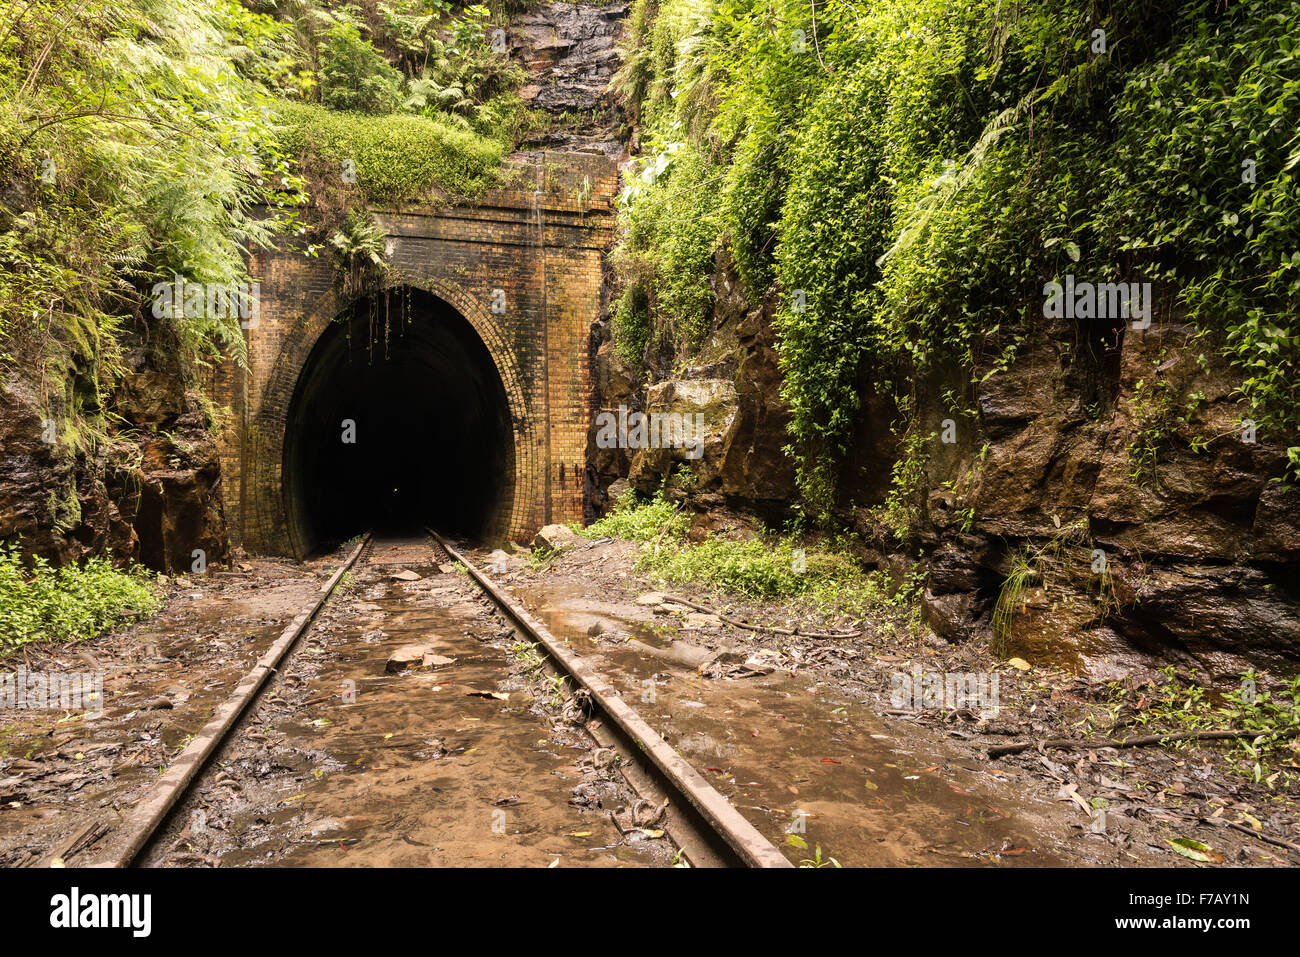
<point x="765" y="568"/>
<point x="397" y="157"/>
<point x="73" y="603"/>
<point x="640" y="521"/>
<point x="770" y="569"/>
<point x="355" y="77"/>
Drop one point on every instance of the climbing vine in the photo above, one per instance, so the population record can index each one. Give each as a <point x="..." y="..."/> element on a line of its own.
<point x="905" y="177"/>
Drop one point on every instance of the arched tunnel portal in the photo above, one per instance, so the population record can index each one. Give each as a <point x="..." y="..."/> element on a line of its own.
<point x="399" y="420"/>
<point x="466" y="381"/>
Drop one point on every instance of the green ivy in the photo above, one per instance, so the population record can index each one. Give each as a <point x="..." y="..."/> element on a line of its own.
<point x="906" y="176"/>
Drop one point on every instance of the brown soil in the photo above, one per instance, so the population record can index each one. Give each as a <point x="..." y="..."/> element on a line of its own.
<point x="423" y="769"/>
<point x="793" y="726"/>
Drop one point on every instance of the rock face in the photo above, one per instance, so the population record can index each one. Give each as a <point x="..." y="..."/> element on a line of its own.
<point x="734" y="390"/>
<point x="704" y="409"/>
<point x="149" y="492"/>
<point x="571" y="51"/>
<point x="1043" y="525"/>
<point x="1080" y="515"/>
<point x="1135" y="559"/>
<point x="52" y="494"/>
<point x="171" y="494"/>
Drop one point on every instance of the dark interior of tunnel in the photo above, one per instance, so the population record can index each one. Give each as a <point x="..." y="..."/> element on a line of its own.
<point x="399" y="420"/>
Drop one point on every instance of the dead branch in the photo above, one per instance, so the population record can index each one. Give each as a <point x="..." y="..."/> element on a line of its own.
<point x="999" y="750"/>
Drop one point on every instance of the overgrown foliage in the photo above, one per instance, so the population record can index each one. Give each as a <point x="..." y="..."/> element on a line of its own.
<point x="134" y="153"/>
<point x="640" y="521"/>
<point x="393" y="158"/>
<point x="72" y="603"/>
<point x="150" y="142"/>
<point x="826" y="579"/>
<point x="149" y="139"/>
<point x="906" y="176"/>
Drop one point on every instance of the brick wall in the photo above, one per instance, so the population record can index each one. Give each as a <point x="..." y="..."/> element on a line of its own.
<point x="541" y="240"/>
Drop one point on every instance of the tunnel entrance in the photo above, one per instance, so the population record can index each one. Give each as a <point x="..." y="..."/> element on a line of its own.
<point x="398" y="420"/>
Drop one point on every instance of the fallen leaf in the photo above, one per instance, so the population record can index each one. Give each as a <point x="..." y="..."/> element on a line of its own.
<point x="1196" y="850"/>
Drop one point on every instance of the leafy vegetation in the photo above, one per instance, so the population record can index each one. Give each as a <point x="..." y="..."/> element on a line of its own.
<point x="640" y="521"/>
<point x="394" y="157"/>
<point x="135" y="153"/>
<point x="151" y="139"/>
<point x="766" y="567"/>
<point x="150" y="142"/>
<point x="73" y="603"/>
<point x="904" y="178"/>
<point x="1271" y="719"/>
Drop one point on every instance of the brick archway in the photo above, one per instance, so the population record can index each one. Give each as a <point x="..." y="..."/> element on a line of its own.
<point x="540" y="240"/>
<point x="274" y="519"/>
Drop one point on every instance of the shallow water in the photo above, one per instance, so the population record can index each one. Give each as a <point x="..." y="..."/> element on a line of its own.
<point x="795" y="758"/>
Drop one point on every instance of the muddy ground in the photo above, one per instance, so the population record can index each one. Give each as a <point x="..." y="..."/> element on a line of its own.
<point x="468" y="755"/>
<point x="356" y="753"/>
<point x="802" y="734"/>
<point x="64" y="771"/>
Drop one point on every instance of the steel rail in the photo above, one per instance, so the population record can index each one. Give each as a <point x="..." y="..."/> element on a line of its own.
<point x="127" y="840"/>
<point x="706" y="814"/>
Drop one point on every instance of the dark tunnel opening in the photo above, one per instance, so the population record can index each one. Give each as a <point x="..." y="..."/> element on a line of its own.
<point x="398" y="420"/>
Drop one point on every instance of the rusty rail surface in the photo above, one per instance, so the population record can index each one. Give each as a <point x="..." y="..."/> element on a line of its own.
<point x="713" y="831"/>
<point x="127" y="840"/>
<point x="709" y="831"/>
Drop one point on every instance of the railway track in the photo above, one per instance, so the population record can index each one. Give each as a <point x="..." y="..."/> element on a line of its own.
<point x="375" y="776"/>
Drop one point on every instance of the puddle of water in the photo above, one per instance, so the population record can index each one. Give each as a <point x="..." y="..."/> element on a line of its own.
<point x="795" y="759"/>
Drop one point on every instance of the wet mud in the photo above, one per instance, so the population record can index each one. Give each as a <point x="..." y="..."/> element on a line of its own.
<point x="356" y="758"/>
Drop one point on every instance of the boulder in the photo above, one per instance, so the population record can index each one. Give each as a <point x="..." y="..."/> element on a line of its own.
<point x="556" y="537"/>
<point x="704" y="408"/>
